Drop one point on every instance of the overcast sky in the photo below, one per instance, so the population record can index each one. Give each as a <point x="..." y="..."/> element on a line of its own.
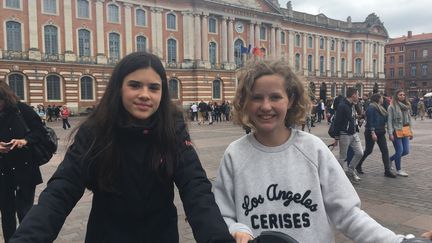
<point x="398" y="16"/>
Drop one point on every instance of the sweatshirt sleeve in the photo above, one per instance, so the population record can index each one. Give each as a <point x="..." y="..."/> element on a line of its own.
<point x="44" y="221"/>
<point x="343" y="206"/>
<point x="224" y="193"/>
<point x="198" y="200"/>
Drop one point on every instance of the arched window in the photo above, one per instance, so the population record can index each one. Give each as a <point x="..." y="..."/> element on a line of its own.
<point x="13" y="36"/>
<point x="343" y="66"/>
<point x="16" y="83"/>
<point x="212" y="53"/>
<point x="263" y="31"/>
<point x="297" y="62"/>
<point x="53" y="87"/>
<point x="86" y="84"/>
<point x="141" y="43"/>
<point x="217" y="89"/>
<point x="297" y="40"/>
<point x="114" y="46"/>
<point x="140" y="17"/>
<point x="51" y="40"/>
<point x="321" y="62"/>
<point x="173" y="86"/>
<point x="343" y="89"/>
<point x="282" y="36"/>
<point x="237" y="53"/>
<point x="332" y="65"/>
<point x="171" y="21"/>
<point x="358" y="66"/>
<point x="333" y="90"/>
<point x="310" y="42"/>
<point x="84" y="43"/>
<point x="212" y="25"/>
<point x="358" y="47"/>
<point x="343" y="46"/>
<point x="332" y="45"/>
<point x="172" y="51"/>
<point x="113" y="13"/>
<point x="83" y="9"/>
<point x="310" y="63"/>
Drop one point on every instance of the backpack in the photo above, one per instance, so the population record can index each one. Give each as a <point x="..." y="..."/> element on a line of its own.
<point x="44" y="150"/>
<point x="331" y="130"/>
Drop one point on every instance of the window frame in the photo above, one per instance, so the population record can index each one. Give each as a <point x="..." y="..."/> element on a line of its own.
<point x="178" y="97"/>
<point x="167" y="25"/>
<point x="358" y="47"/>
<point x="46" y="11"/>
<point x="310" y="42"/>
<point x="110" y="51"/>
<point x="60" y="88"/>
<point x="211" y="20"/>
<point x="20" y="5"/>
<point x="170" y="52"/>
<point x="108" y="13"/>
<point x="93" y="87"/>
<point x="24" y="86"/>
<point x="78" y="9"/>
<point x="297" y="40"/>
<point x="215" y="52"/>
<point x="220" y="89"/>
<point x="57" y="39"/>
<point x="90" y="48"/>
<point x="136" y="17"/>
<point x="14" y="43"/>
<point x="263" y="32"/>
<point x="137" y="44"/>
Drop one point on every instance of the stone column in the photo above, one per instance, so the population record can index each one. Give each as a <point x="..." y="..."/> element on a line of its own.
<point x="291" y="48"/>
<point x="381" y="73"/>
<point x="231" y="42"/>
<point x="187" y="39"/>
<point x="205" y="44"/>
<point x="272" y="42"/>
<point x="129" y="40"/>
<point x="224" y="40"/>
<point x="252" y="34"/>
<point x="257" y="35"/>
<point x="350" y="60"/>
<point x="197" y="34"/>
<point x="101" y="58"/>
<point x="157" y="26"/>
<point x="328" y="58"/>
<point x="34" y="51"/>
<point x="70" y="56"/>
<point x="317" y="56"/>
<point x="338" y="59"/>
<point x="366" y="58"/>
<point x="371" y="54"/>
<point x="304" y="55"/>
<point x="278" y="43"/>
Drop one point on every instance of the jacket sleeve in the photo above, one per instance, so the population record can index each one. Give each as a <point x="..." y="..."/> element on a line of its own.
<point x="342" y="205"/>
<point x="224" y="193"/>
<point x="198" y="200"/>
<point x="33" y="122"/>
<point x="390" y="127"/>
<point x="372" y="118"/>
<point x="44" y="221"/>
<point x="342" y="115"/>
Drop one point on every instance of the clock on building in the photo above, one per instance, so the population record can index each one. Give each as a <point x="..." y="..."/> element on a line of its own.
<point x="239" y="27"/>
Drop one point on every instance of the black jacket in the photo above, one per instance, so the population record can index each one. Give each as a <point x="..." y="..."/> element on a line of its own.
<point x="141" y="209"/>
<point x="17" y="167"/>
<point x="345" y="120"/>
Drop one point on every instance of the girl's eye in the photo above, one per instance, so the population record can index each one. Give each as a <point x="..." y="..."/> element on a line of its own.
<point x="134" y="84"/>
<point x="256" y="97"/>
<point x="275" y="97"/>
<point x="154" y="87"/>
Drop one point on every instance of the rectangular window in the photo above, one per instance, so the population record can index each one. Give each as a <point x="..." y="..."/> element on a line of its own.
<point x="401" y="72"/>
<point x="13" y="33"/>
<point x="413" y="54"/>
<point x="13" y="4"/>
<point x="401" y="59"/>
<point x="425" y="53"/>
<point x="413" y="70"/>
<point x="171" y="21"/>
<point x="401" y="48"/>
<point x="83" y="9"/>
<point x="50" y="6"/>
<point x="282" y="36"/>
<point x="392" y="60"/>
<point x="391" y="72"/>
<point x="392" y="49"/>
<point x="424" y="69"/>
<point x="113" y="13"/>
<point x="212" y="25"/>
<point x="262" y="33"/>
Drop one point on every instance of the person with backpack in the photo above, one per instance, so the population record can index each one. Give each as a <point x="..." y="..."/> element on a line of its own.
<point x="21" y="127"/>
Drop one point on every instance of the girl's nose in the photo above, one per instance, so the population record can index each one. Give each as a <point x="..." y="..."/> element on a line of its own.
<point x="266" y="105"/>
<point x="144" y="94"/>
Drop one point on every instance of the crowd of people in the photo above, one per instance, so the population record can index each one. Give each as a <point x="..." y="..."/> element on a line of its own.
<point x="135" y="146"/>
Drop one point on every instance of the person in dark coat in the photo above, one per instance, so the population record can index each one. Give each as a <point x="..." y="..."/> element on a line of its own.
<point x="19" y="173"/>
<point x="130" y="152"/>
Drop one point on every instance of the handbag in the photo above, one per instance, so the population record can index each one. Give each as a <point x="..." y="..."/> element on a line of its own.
<point x="404" y="132"/>
<point x="44" y="150"/>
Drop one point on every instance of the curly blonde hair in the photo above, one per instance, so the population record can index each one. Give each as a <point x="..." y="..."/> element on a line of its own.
<point x="294" y="87"/>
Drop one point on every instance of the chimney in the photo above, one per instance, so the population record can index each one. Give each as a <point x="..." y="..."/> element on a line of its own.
<point x="409" y="34"/>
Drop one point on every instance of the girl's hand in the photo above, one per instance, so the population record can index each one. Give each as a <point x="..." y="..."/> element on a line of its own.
<point x="4" y="147"/>
<point x="427" y="235"/>
<point x="374" y="137"/>
<point x="242" y="237"/>
<point x="411" y="137"/>
<point x="18" y="143"/>
<point x="391" y="138"/>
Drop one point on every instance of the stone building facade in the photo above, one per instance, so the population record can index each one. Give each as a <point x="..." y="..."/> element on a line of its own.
<point x="408" y="64"/>
<point x="62" y="51"/>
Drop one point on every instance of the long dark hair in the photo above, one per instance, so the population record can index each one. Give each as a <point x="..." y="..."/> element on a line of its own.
<point x="103" y="152"/>
<point x="7" y="94"/>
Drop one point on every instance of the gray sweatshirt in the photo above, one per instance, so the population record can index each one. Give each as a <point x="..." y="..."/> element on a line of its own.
<point x="297" y="188"/>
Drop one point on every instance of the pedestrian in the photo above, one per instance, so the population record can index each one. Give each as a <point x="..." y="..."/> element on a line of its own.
<point x="347" y="133"/>
<point x="129" y="152"/>
<point x="376" y="121"/>
<point x="399" y="128"/>
<point x="280" y="178"/>
<point x="65" y="113"/>
<point x="421" y="109"/>
<point x="20" y="127"/>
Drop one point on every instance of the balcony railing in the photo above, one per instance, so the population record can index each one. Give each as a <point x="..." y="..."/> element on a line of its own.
<point x="15" y="55"/>
<point x="53" y="57"/>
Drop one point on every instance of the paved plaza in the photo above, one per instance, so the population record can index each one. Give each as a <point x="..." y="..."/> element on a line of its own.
<point x="402" y="204"/>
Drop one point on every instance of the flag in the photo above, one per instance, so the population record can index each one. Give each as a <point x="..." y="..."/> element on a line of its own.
<point x="257" y="52"/>
<point x="245" y="50"/>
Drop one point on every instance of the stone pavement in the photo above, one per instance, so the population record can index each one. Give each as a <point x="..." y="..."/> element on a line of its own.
<point x="402" y="204"/>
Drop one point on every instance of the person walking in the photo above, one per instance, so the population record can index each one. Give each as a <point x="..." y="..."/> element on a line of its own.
<point x="421" y="109"/>
<point x="399" y="128"/>
<point x="20" y="127"/>
<point x="129" y="152"/>
<point x="65" y="113"/>
<point x="375" y="131"/>
<point x="347" y="133"/>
